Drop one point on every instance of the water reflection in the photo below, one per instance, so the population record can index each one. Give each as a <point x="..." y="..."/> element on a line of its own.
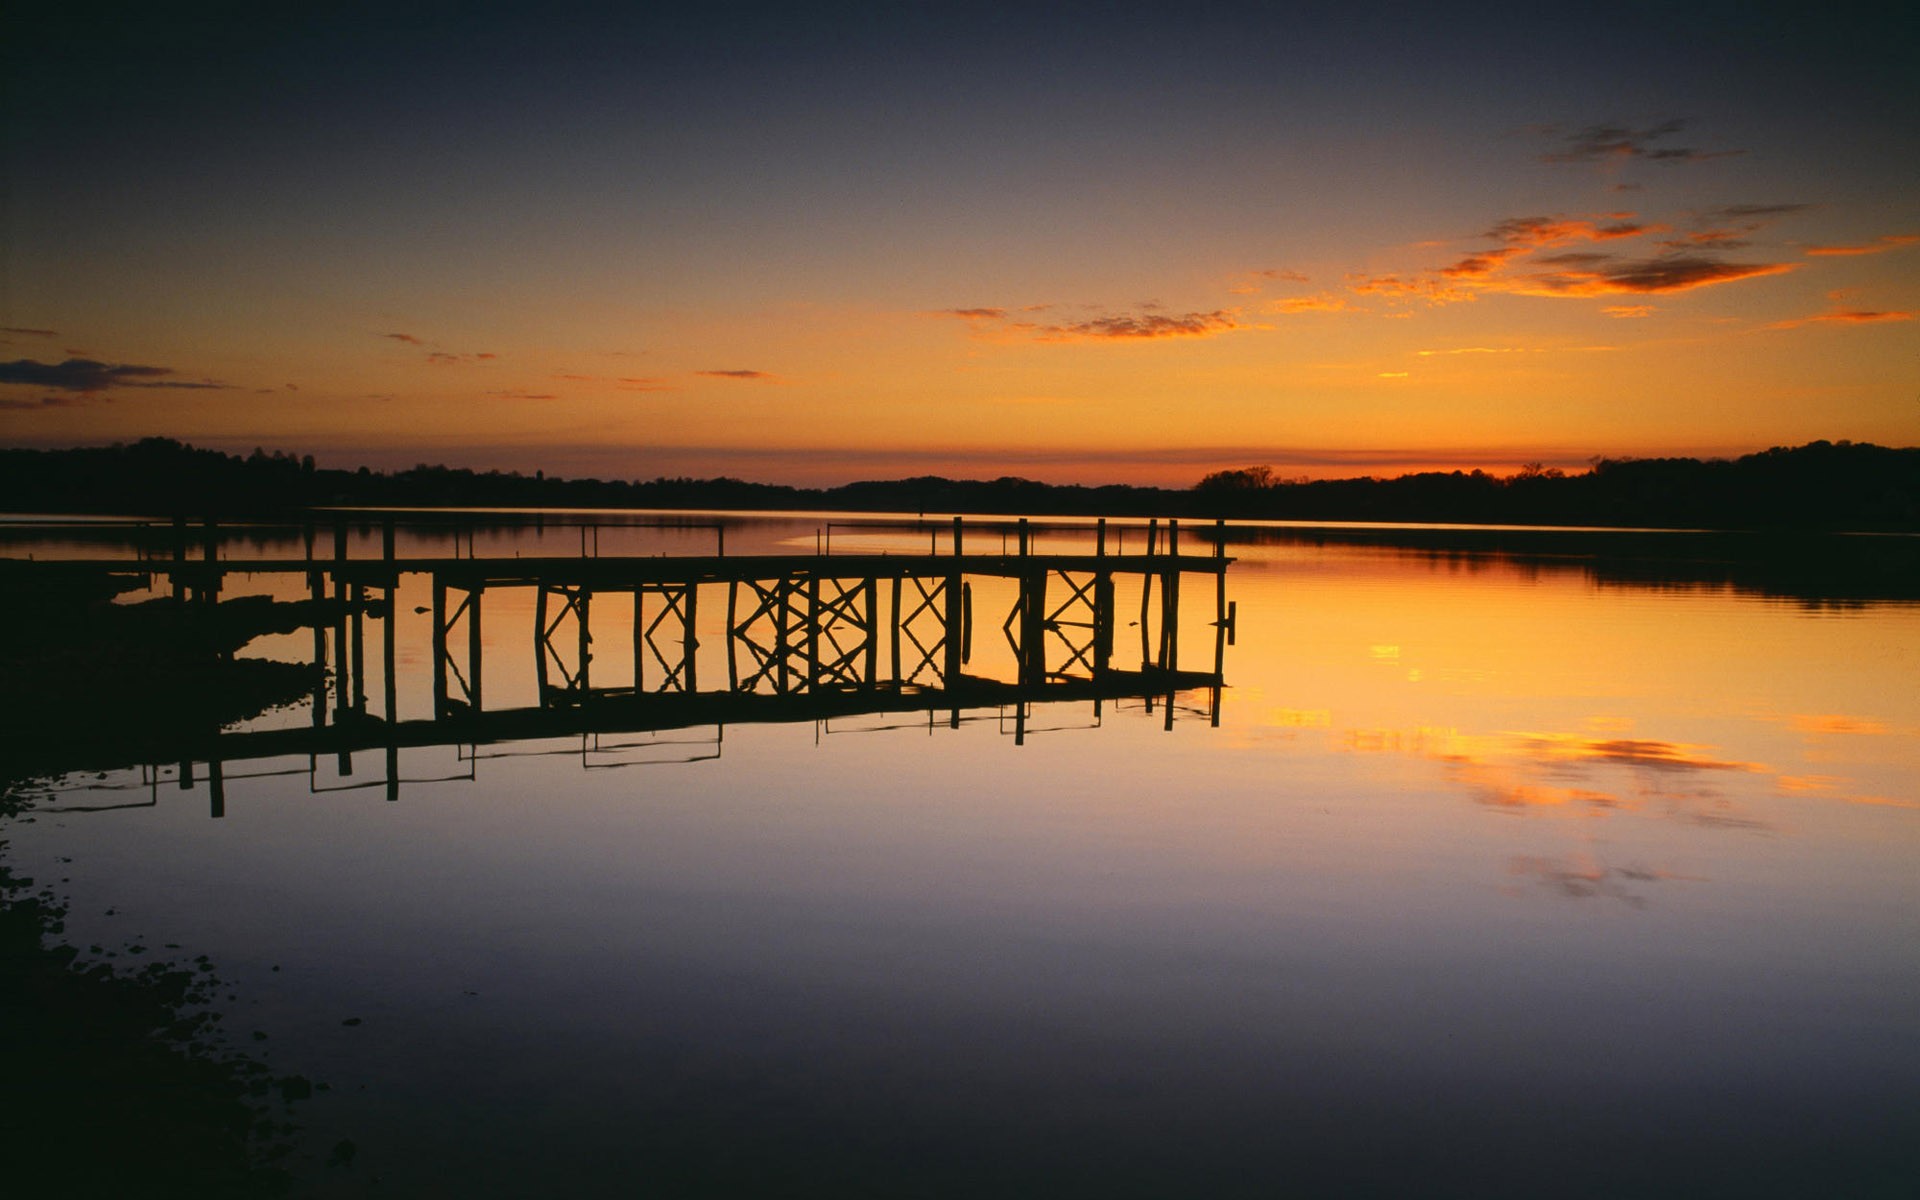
<point x="1486" y="883"/>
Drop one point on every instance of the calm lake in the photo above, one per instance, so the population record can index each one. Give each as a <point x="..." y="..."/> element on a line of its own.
<point x="1544" y="868"/>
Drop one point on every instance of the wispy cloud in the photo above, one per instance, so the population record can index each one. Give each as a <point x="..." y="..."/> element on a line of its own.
<point x="741" y="373"/>
<point x="1666" y="273"/>
<point x="514" y="395"/>
<point x="1731" y="226"/>
<point x="1253" y="282"/>
<point x="1881" y="245"/>
<point x="87" y="376"/>
<point x="437" y="355"/>
<point x="1319" y="302"/>
<point x="1142" y="325"/>
<point x="1628" y="312"/>
<point x="625" y="383"/>
<point x="1128" y="327"/>
<point x="1620" y="143"/>
<point x="11" y="404"/>
<point x="29" y="332"/>
<point x="1542" y="232"/>
<point x="1848" y="316"/>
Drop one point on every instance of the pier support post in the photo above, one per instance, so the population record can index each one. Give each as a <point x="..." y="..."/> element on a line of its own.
<point x="473" y="647"/>
<point x="950" y="669"/>
<point x="439" y="647"/>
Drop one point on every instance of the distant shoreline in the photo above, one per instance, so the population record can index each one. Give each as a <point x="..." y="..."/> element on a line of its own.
<point x="1833" y="486"/>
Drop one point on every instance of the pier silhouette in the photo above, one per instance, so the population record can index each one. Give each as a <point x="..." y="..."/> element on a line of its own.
<point x="808" y="637"/>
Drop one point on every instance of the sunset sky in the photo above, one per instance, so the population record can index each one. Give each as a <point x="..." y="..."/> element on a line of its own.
<point x="1100" y="243"/>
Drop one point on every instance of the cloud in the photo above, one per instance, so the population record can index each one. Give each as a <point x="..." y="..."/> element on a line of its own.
<point x="1541" y="232"/>
<point x="87" y="376"/>
<point x="1253" y="281"/>
<point x="1745" y="212"/>
<point x="1620" y="143"/>
<point x="9" y="404"/>
<point x="511" y="395"/>
<point x="29" y="332"/>
<point x="1847" y="316"/>
<point x="1431" y="287"/>
<point x="1143" y="325"/>
<point x="1647" y="276"/>
<point x="442" y="358"/>
<point x="1481" y="265"/>
<point x="625" y="383"/>
<point x="1730" y="226"/>
<point x="1319" y="302"/>
<point x="408" y="338"/>
<point x="1881" y="245"/>
<point x="1628" y="311"/>
<point x="1837" y="723"/>
<point x="738" y="373"/>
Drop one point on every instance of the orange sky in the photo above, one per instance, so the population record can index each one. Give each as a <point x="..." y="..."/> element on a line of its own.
<point x="954" y="246"/>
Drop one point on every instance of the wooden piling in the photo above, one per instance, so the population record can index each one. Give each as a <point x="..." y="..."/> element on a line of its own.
<point x="689" y="642"/>
<point x="439" y="646"/>
<point x="473" y="648"/>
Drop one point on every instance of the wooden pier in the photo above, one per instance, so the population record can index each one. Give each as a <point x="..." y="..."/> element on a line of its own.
<point x="807" y="636"/>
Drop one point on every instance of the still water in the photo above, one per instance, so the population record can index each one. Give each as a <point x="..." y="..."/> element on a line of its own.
<point x="1497" y="876"/>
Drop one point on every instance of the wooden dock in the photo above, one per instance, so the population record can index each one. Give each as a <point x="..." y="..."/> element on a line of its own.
<point x="808" y="636"/>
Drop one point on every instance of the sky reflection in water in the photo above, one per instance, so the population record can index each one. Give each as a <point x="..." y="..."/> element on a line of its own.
<point x="1492" y="881"/>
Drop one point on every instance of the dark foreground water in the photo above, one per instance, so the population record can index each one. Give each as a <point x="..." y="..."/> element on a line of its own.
<point x="1499" y="876"/>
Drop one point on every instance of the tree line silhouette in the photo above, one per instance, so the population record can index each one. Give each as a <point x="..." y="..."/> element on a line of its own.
<point x="1831" y="485"/>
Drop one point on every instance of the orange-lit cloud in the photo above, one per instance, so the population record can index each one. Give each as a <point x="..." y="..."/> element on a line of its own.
<point x="1456" y="350"/>
<point x="1518" y="267"/>
<point x="29" y="332"/>
<point x="1847" y="316"/>
<point x="1668" y="273"/>
<point x="1628" y="311"/>
<point x="1319" y="302"/>
<point x="1542" y="232"/>
<point x="1837" y="723"/>
<point x="1143" y="325"/>
<point x="1892" y="241"/>
<point x="1128" y="327"/>
<point x="1432" y="288"/>
<point x="441" y="358"/>
<point x="1481" y="265"/>
<point x="741" y="373"/>
<point x="407" y="338"/>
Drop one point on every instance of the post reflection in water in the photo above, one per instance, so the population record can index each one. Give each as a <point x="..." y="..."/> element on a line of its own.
<point x="1497" y="875"/>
